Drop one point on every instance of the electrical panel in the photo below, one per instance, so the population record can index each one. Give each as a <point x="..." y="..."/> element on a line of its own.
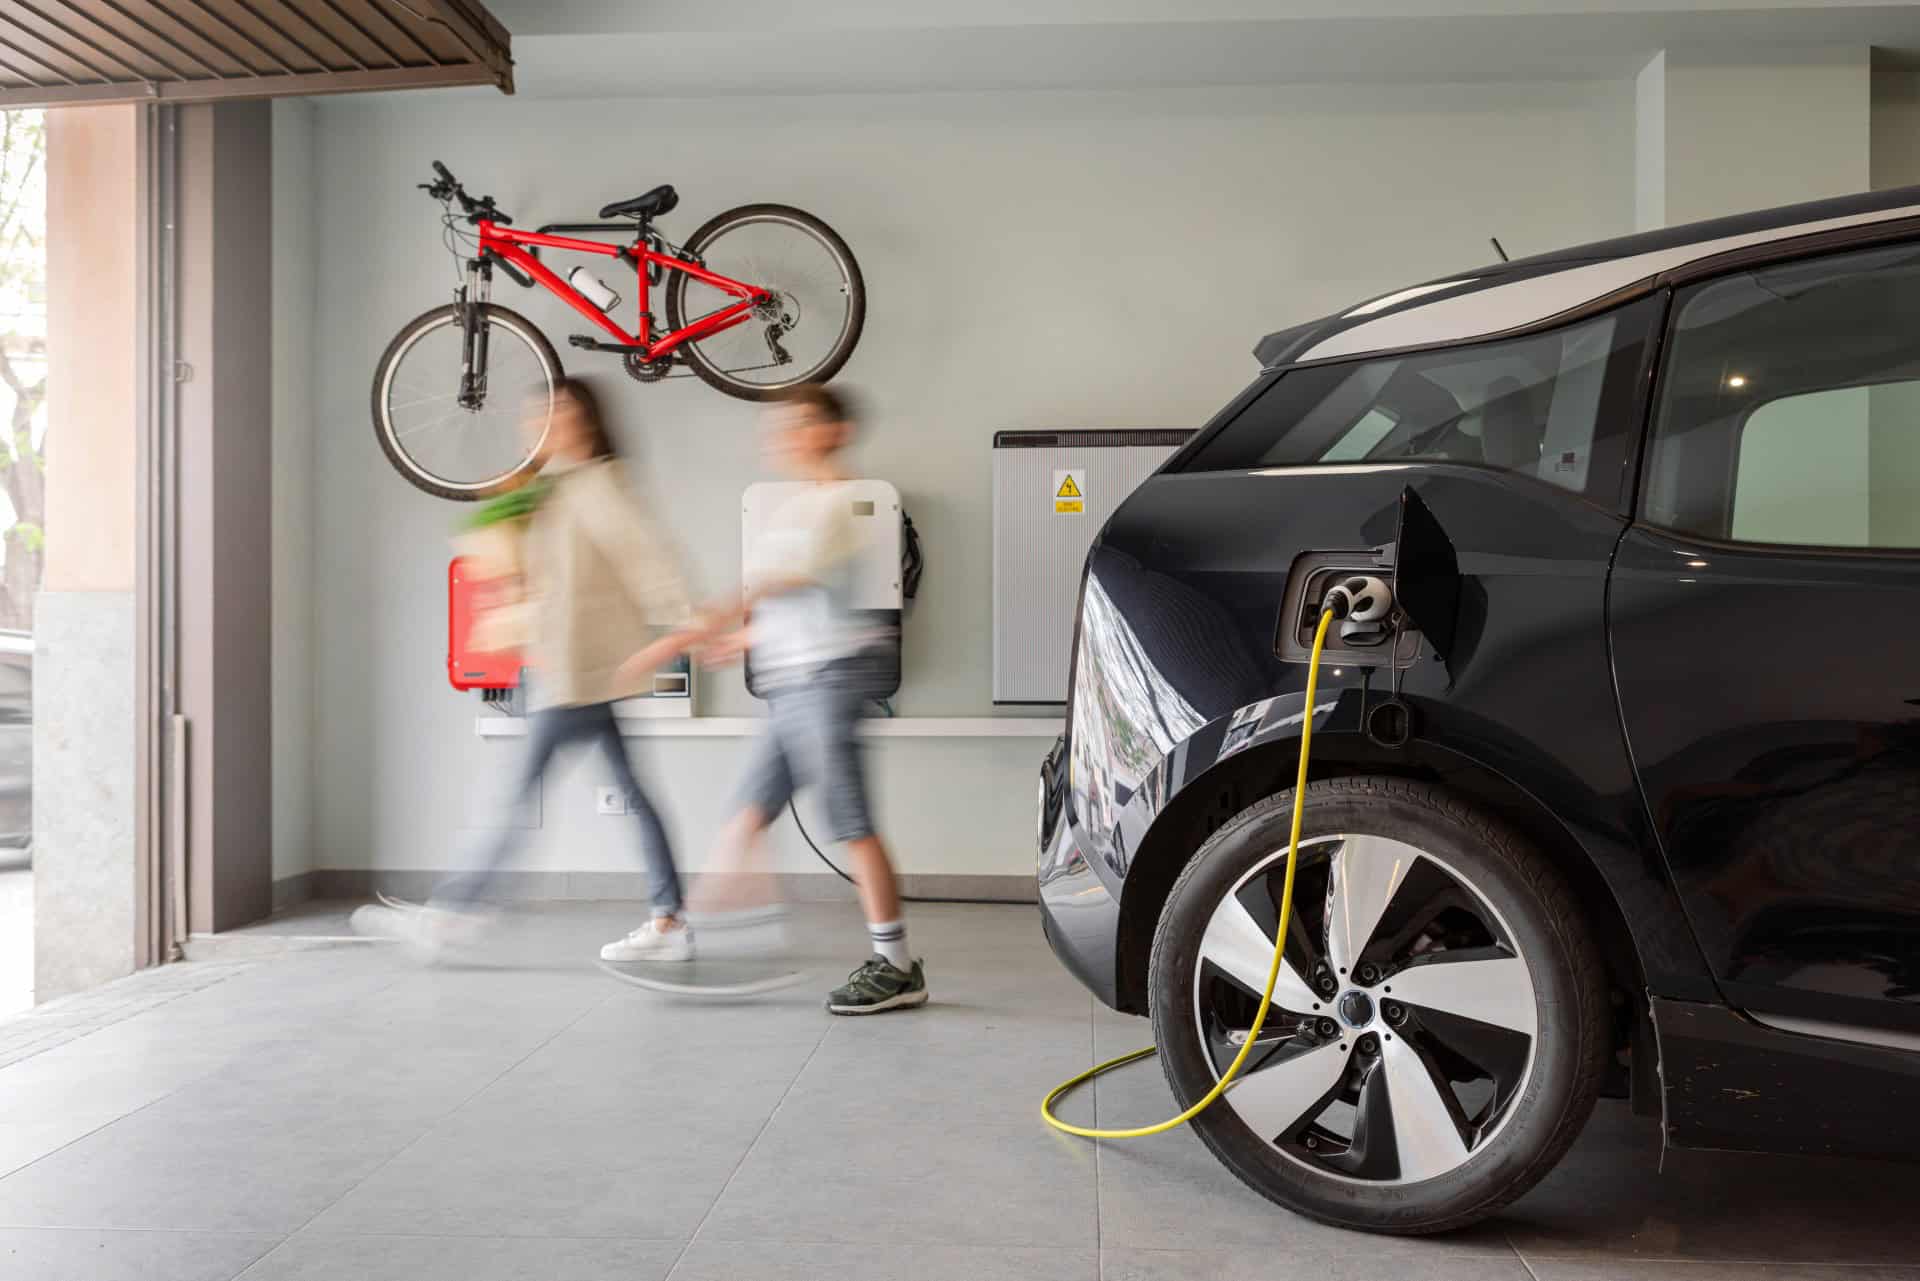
<point x="1052" y="492"/>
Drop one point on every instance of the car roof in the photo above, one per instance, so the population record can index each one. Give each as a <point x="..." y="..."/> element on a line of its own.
<point x="1508" y="296"/>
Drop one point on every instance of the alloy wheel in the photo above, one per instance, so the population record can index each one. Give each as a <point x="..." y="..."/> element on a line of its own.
<point x="1404" y="1021"/>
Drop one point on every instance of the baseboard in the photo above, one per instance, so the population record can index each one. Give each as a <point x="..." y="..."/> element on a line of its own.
<point x="292" y="891"/>
<point x="797" y="887"/>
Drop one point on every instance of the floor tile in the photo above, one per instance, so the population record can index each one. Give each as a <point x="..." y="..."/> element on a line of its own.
<point x="316" y="1257"/>
<point x="937" y="1182"/>
<point x="1357" y="1263"/>
<point x="964" y="1075"/>
<point x="61" y="1254"/>
<point x="762" y="1261"/>
<point x="1168" y="1192"/>
<point x="514" y="1171"/>
<point x="245" y="1150"/>
<point x="1613" y="1196"/>
<point x="22" y="1142"/>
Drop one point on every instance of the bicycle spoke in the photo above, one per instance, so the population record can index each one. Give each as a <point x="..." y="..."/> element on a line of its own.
<point x="811" y="289"/>
<point x="448" y="395"/>
<point x="470" y="444"/>
<point x="430" y="424"/>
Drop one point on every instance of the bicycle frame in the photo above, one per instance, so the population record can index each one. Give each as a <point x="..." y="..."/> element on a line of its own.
<point x="510" y="246"/>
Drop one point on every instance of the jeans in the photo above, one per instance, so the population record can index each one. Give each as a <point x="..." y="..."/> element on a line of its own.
<point x="550" y="729"/>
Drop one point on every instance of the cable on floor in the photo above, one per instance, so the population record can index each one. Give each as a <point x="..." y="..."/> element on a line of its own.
<point x="840" y="872"/>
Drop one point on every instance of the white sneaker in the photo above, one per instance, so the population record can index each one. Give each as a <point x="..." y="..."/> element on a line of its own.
<point x="383" y="921"/>
<point x="651" y="943"/>
<point x="428" y="931"/>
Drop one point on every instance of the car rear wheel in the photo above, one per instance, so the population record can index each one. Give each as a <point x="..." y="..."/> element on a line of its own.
<point x="1439" y="1030"/>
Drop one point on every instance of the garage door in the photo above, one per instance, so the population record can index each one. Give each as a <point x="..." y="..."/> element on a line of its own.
<point x="56" y="52"/>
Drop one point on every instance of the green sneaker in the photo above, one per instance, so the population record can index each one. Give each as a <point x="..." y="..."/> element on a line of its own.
<point x="877" y="986"/>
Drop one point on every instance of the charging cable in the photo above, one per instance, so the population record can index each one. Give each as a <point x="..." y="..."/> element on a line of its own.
<point x="1339" y="602"/>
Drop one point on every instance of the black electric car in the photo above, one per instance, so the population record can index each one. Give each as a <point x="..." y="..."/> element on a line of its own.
<point x="1624" y="799"/>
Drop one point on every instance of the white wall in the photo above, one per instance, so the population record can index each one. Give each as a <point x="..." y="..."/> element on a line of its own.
<point x="1033" y="260"/>
<point x="295" y="274"/>
<point x="1744" y="131"/>
<point x="1895" y="158"/>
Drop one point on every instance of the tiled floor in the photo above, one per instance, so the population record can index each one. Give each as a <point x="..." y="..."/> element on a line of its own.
<point x="341" y="1113"/>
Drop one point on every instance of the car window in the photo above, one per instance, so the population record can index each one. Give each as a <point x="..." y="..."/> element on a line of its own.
<point x="1363" y="437"/>
<point x="1535" y="405"/>
<point x="1790" y="405"/>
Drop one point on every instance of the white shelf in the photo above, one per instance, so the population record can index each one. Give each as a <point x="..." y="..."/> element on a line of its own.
<point x="747" y="726"/>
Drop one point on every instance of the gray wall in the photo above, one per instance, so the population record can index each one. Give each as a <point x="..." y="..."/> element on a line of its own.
<point x="1034" y="260"/>
<point x="295" y="277"/>
<point x="85" y="790"/>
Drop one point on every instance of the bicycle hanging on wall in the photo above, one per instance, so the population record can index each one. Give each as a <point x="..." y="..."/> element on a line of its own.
<point x="759" y="299"/>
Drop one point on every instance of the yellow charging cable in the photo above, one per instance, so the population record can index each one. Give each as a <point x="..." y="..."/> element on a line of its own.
<point x="1273" y="972"/>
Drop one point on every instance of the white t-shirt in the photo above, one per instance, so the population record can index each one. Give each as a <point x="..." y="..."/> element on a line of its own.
<point x="812" y="536"/>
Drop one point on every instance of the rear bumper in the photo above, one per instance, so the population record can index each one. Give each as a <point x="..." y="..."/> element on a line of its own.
<point x="1080" y="917"/>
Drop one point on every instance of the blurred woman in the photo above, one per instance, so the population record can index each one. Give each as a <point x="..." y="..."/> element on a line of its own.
<point x="599" y="577"/>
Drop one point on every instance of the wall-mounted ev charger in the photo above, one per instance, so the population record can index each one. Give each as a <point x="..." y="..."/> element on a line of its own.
<point x="878" y="572"/>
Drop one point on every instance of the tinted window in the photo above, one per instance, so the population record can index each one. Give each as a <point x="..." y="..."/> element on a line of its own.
<point x="1548" y="405"/>
<point x="1790" y="405"/>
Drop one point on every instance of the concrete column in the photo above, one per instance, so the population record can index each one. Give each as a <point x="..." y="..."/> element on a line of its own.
<point x="85" y="784"/>
<point x="1727" y="135"/>
<point x="226" y="508"/>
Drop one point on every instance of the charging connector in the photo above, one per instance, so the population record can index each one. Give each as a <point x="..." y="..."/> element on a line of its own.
<point x="1364" y="606"/>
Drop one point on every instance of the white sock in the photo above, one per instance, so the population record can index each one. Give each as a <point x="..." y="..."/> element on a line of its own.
<point x="889" y="939"/>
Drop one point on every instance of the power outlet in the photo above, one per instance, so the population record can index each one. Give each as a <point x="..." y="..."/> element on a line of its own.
<point x="611" y="801"/>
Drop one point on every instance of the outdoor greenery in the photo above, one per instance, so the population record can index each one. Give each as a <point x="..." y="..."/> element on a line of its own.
<point x="23" y="362"/>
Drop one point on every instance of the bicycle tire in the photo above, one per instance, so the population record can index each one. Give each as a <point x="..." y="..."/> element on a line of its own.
<point x="821" y="370"/>
<point x="410" y="469"/>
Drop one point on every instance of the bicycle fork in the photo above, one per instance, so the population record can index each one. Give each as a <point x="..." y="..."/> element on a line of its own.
<point x="472" y="299"/>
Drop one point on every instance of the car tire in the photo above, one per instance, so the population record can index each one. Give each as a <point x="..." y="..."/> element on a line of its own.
<point x="1504" y="887"/>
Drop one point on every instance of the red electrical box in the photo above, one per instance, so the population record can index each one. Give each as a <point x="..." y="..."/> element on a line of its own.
<point x="470" y="595"/>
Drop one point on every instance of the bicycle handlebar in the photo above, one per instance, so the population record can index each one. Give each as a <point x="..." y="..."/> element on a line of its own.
<point x="447" y="187"/>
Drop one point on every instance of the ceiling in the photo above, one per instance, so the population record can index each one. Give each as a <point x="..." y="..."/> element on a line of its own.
<point x="71" y="51"/>
<point x="691" y="48"/>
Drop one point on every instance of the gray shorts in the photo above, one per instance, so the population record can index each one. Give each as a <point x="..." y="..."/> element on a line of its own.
<point x="809" y="739"/>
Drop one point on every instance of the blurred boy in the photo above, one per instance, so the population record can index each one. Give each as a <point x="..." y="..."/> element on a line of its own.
<point x="795" y="615"/>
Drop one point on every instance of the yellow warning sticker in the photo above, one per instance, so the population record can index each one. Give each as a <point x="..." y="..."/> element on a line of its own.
<point x="1069" y="492"/>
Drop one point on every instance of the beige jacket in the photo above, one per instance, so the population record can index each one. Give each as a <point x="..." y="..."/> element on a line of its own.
<point x="603" y="577"/>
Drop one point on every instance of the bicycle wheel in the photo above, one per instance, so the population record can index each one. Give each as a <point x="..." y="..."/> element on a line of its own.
<point x="809" y="330"/>
<point x="463" y="451"/>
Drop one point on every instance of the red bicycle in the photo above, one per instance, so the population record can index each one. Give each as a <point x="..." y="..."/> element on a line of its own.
<point x="759" y="299"/>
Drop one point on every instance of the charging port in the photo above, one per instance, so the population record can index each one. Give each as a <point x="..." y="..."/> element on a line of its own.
<point x="1312" y="576"/>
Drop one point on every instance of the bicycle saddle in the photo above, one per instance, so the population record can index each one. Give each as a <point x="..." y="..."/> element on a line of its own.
<point x="660" y="200"/>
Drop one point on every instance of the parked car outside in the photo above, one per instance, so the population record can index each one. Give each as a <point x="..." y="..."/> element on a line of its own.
<point x="1637" y="816"/>
<point x="16" y="741"/>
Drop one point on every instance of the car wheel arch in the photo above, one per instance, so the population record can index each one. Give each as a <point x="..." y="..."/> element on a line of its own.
<point x="1263" y="769"/>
